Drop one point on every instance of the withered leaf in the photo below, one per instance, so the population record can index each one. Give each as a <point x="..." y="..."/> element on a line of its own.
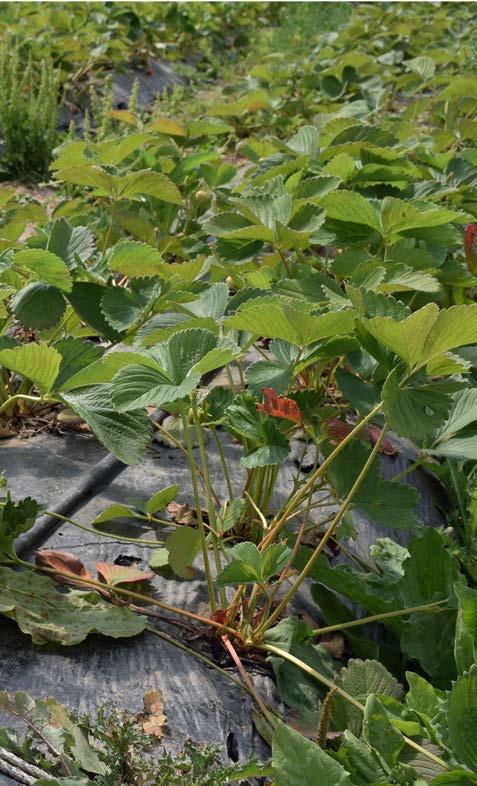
<point x="153" y="720"/>
<point x="113" y="574"/>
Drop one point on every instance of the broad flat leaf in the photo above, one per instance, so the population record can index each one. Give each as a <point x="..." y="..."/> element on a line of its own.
<point x="268" y="374"/>
<point x="52" y="617"/>
<point x="465" y="644"/>
<point x="116" y="511"/>
<point x="407" y="337"/>
<point x="159" y="558"/>
<point x="462" y="719"/>
<point x="274" y="449"/>
<point x="112" y="151"/>
<point x="454" y="327"/>
<point x="389" y="503"/>
<point x="464" y="447"/>
<point x="45" y="266"/>
<point x="145" y="182"/>
<point x="37" y="362"/>
<point x="70" y="243"/>
<point x="211" y="303"/>
<point x="86" y="298"/>
<point x="422" y="66"/>
<point x="166" y="125"/>
<point x="38" y="305"/>
<point x="463" y="412"/>
<point x="455" y="778"/>
<point x="136" y="386"/>
<point x="217" y="358"/>
<point x="361" y="760"/>
<point x="300" y="329"/>
<point x="126" y="435"/>
<point x="161" y="499"/>
<point x="135" y="259"/>
<point x="88" y="175"/>
<point x="350" y="207"/>
<point x="414" y="412"/>
<point x="245" y="566"/>
<point x="305" y="142"/>
<point x="183" y="545"/>
<point x="76" y="354"/>
<point x="295" y="687"/>
<point x="361" y="679"/>
<point x="120" y="308"/>
<point x="113" y="574"/>
<point x="379" y="732"/>
<point x="297" y="760"/>
<point x="422" y="696"/>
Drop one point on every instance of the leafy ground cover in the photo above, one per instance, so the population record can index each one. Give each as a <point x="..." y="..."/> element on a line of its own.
<point x="311" y="209"/>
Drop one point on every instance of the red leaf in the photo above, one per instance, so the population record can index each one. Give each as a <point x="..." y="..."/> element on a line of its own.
<point x="279" y="406"/>
<point x="113" y="574"/>
<point x="387" y="447"/>
<point x="63" y="561"/>
<point x="337" y="430"/>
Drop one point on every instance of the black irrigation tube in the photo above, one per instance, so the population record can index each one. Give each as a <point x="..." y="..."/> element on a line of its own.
<point x="94" y="481"/>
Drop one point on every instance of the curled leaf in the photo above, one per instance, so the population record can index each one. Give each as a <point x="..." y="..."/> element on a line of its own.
<point x="279" y="406"/>
<point x="64" y="562"/>
<point x="338" y="429"/>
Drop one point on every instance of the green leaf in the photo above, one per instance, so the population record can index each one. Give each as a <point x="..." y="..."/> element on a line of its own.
<point x="136" y="386"/>
<point x="126" y="435"/>
<point x="15" y="518"/>
<point x="297" y="327"/>
<point x="350" y="207"/>
<point x="455" y="778"/>
<point x="415" y="412"/>
<point x="135" y="259"/>
<point x="45" y="266"/>
<point x="360" y="760"/>
<point x="407" y="337"/>
<point x="465" y="644"/>
<point x="159" y="558"/>
<point x="70" y="243"/>
<point x="116" y="511"/>
<point x="461" y="730"/>
<point x="38" y="306"/>
<point x="362" y="679"/>
<point x="120" y="308"/>
<point x="76" y="354"/>
<point x="183" y="545"/>
<point x="249" y="565"/>
<point x="147" y="183"/>
<point x="37" y="362"/>
<point x="268" y="374"/>
<point x="297" y="760"/>
<point x="454" y="327"/>
<point x="161" y="499"/>
<point x="86" y="298"/>
<point x="389" y="503"/>
<point x="295" y="687"/>
<point x="379" y="732"/>
<point x="422" y="696"/>
<point x="51" y="617"/>
<point x="305" y="142"/>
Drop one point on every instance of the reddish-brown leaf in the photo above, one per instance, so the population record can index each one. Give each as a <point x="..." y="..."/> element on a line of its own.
<point x="387" y="447"/>
<point x="337" y="430"/>
<point x="113" y="574"/>
<point x="63" y="561"/>
<point x="279" y="406"/>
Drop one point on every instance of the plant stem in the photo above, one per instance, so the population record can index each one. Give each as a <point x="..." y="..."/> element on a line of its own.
<point x="130" y="594"/>
<point x="328" y="534"/>
<point x="427" y="607"/>
<point x="181" y="447"/>
<point x="331" y="685"/>
<point x="223" y="462"/>
<point x="300" y="495"/>
<point x="124" y="538"/>
<point x="246" y="679"/>
<point x="210" y="501"/>
<point x="200" y="522"/>
<point x="16" y="397"/>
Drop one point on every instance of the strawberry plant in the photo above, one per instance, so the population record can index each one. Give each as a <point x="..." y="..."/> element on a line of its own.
<point x="308" y="240"/>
